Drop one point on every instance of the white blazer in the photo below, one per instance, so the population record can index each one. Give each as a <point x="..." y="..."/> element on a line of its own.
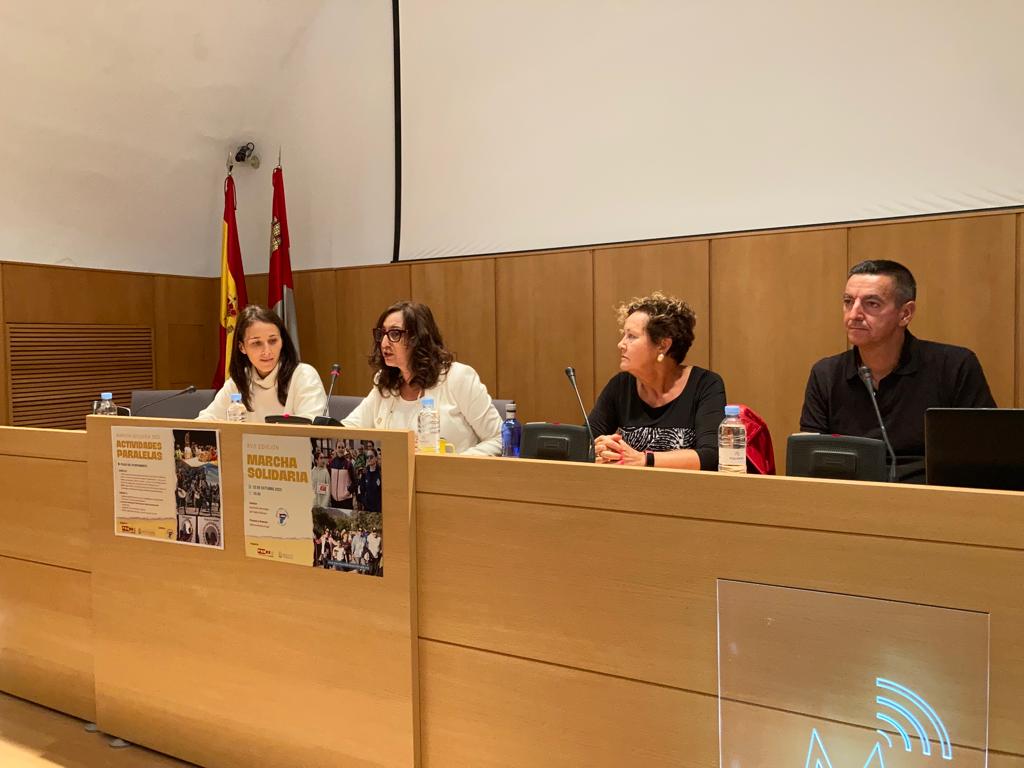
<point x="468" y="419"/>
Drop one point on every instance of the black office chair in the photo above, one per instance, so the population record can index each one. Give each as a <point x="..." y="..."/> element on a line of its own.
<point x="341" y="406"/>
<point x="181" y="407"/>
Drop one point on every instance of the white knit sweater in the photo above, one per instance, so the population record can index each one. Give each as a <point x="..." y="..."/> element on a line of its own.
<point x="306" y="397"/>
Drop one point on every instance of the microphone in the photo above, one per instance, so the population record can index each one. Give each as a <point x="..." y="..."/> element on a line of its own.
<point x="323" y="420"/>
<point x="570" y="372"/>
<point x="186" y="391"/>
<point x="865" y="376"/>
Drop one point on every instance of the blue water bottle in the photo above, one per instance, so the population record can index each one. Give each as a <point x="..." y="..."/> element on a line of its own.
<point x="511" y="432"/>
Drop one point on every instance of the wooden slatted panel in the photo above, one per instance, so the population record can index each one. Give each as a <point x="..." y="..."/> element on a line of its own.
<point x="57" y="370"/>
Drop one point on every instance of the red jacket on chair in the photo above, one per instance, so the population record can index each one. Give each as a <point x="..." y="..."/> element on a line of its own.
<point x="760" y="454"/>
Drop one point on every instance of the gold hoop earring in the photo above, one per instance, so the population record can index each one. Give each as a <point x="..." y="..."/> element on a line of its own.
<point x="661" y="356"/>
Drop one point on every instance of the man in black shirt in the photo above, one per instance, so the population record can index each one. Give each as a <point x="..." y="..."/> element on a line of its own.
<point x="910" y="375"/>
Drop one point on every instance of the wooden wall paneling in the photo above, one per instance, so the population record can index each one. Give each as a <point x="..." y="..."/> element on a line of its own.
<point x="966" y="294"/>
<point x="46" y="642"/>
<point x="257" y="286"/>
<point x="90" y="358"/>
<point x="461" y="295"/>
<point x="677" y="269"/>
<point x="225" y="660"/>
<point x="488" y="710"/>
<point x="545" y="322"/>
<point x="1019" y="316"/>
<point x="776" y="311"/>
<point x="187" y="331"/>
<point x="362" y="294"/>
<point x="45" y="294"/>
<point x="316" y="311"/>
<point x="5" y="406"/>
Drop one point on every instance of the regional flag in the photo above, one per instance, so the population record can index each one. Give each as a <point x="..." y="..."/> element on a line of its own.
<point x="281" y="297"/>
<point x="232" y="283"/>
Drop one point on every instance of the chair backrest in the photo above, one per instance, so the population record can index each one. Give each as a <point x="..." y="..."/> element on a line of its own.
<point x="760" y="453"/>
<point x="341" y="406"/>
<point x="181" y="407"/>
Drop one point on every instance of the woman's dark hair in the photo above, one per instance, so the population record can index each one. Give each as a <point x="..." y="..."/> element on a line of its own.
<point x="428" y="356"/>
<point x="240" y="367"/>
<point x="669" y="318"/>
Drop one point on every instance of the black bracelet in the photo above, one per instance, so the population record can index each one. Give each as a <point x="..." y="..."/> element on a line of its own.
<point x="649" y="459"/>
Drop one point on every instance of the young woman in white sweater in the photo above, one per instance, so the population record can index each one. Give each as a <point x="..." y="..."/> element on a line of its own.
<point x="266" y="371"/>
<point x="412" y="363"/>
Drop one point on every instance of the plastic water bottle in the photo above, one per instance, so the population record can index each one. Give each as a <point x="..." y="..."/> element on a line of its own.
<point x="732" y="442"/>
<point x="105" y="406"/>
<point x="236" y="410"/>
<point x="511" y="432"/>
<point x="428" y="428"/>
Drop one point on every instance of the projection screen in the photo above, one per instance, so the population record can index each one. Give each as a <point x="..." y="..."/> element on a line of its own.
<point x="554" y="123"/>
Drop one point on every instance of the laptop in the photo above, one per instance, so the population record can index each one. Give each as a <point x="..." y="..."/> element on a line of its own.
<point x="975" y="447"/>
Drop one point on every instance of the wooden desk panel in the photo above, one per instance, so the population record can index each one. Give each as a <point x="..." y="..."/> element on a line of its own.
<point x="955" y="515"/>
<point x="628" y="588"/>
<point x="44" y="510"/>
<point x="46" y="642"/>
<point x="226" y="660"/>
<point x="487" y="710"/>
<point x="62" y="444"/>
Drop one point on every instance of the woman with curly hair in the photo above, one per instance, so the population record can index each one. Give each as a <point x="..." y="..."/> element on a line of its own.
<point x="412" y="363"/>
<point x="658" y="411"/>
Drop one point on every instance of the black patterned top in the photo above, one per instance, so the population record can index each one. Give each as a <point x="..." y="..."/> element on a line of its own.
<point x="689" y="421"/>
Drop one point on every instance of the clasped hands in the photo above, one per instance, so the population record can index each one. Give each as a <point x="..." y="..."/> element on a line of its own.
<point x="612" y="449"/>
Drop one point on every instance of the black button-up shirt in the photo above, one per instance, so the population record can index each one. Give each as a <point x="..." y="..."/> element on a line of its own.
<point x="928" y="375"/>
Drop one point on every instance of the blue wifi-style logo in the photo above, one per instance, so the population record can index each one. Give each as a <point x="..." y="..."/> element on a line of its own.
<point x="904" y="703"/>
<point x="899" y="705"/>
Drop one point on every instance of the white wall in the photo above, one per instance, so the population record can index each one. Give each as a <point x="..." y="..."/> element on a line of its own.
<point x="118" y="117"/>
<point x="531" y="124"/>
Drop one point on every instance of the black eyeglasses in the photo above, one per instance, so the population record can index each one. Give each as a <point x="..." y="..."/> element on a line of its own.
<point x="394" y="334"/>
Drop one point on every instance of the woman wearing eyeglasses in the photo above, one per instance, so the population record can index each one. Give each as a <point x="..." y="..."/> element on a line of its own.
<point x="266" y="371"/>
<point x="412" y="363"/>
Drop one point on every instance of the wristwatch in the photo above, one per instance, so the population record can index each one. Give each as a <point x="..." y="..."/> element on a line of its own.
<point x="649" y="459"/>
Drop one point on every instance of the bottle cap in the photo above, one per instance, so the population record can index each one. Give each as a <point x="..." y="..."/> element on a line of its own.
<point x="427" y="402"/>
<point x="732" y="410"/>
<point x="236" y="397"/>
<point x="106" y="395"/>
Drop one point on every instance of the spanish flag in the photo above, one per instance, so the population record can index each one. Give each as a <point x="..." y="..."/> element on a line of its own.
<point x="232" y="283"/>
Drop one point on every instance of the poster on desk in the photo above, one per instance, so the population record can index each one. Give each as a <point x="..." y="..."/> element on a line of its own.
<point x="314" y="502"/>
<point x="167" y="485"/>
